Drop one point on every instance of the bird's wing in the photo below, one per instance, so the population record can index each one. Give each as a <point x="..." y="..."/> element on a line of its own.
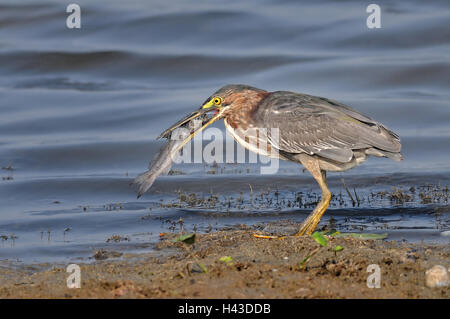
<point x="312" y="125"/>
<point x="336" y="106"/>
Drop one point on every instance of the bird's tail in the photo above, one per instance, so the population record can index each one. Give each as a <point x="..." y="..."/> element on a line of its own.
<point x="396" y="156"/>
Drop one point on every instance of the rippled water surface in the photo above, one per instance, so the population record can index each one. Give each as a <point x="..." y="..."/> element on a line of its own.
<point x="80" y="111"/>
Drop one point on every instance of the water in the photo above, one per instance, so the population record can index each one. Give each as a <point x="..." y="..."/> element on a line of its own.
<point x="80" y="111"/>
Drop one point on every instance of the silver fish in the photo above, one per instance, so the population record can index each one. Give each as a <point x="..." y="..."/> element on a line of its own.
<point x="163" y="160"/>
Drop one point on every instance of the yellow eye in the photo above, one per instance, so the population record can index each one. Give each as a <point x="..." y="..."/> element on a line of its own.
<point x="217" y="101"/>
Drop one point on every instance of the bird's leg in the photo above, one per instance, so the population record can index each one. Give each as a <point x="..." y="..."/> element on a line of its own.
<point x="308" y="226"/>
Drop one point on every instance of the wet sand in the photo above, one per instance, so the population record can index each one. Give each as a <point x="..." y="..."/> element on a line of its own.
<point x="234" y="264"/>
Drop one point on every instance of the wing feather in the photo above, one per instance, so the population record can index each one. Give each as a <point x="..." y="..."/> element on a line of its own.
<point x="314" y="125"/>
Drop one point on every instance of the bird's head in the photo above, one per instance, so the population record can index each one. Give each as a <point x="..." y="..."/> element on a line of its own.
<point x="224" y="101"/>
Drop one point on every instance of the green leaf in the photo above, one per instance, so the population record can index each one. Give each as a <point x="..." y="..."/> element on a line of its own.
<point x="338" y="248"/>
<point x="363" y="236"/>
<point x="188" y="238"/>
<point x="320" y="239"/>
<point x="204" y="269"/>
<point x="226" y="259"/>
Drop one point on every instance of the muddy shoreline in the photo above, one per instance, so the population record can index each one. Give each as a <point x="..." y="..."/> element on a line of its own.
<point x="234" y="264"/>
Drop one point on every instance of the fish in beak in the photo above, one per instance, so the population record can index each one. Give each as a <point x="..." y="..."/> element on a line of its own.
<point x="164" y="159"/>
<point x="183" y="122"/>
<point x="207" y="107"/>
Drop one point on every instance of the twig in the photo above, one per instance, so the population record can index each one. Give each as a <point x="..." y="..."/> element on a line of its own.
<point x="348" y="192"/>
<point x="356" y="195"/>
<point x="251" y="194"/>
<point x="304" y="261"/>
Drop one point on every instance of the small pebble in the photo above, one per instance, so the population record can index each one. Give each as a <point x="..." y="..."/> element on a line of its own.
<point x="286" y="258"/>
<point x="437" y="277"/>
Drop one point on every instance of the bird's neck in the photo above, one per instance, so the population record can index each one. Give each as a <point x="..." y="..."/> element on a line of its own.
<point x="243" y="104"/>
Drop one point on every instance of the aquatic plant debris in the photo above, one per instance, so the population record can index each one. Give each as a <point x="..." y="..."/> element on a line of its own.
<point x="266" y="236"/>
<point x="335" y="233"/>
<point x="331" y="232"/>
<point x="187" y="238"/>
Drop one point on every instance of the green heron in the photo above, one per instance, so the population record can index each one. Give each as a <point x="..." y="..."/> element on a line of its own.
<point x="321" y="134"/>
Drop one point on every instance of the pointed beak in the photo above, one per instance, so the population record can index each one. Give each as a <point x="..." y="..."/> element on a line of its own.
<point x="186" y="119"/>
<point x="192" y="134"/>
<point x="207" y="107"/>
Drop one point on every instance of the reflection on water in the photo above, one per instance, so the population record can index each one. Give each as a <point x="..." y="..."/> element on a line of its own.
<point x="81" y="109"/>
